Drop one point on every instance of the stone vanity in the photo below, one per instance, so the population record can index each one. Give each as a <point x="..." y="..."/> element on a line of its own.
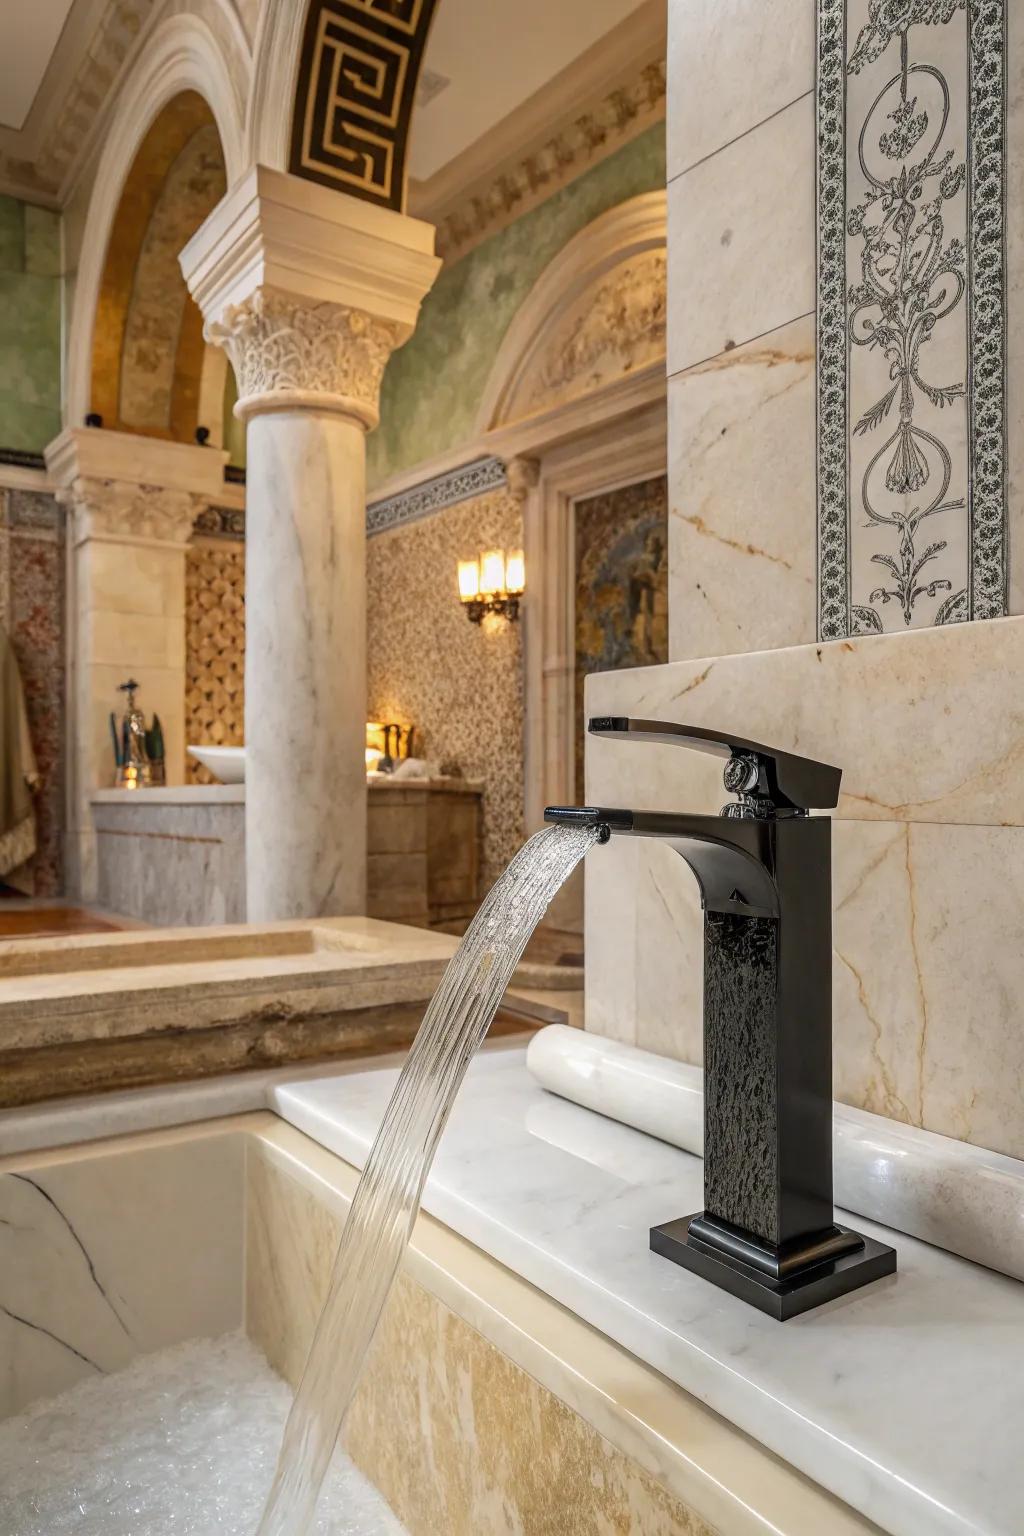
<point x="175" y="856"/>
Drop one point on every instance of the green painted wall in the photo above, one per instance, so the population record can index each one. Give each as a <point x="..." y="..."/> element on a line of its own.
<point x="30" y="268"/>
<point x="433" y="386"/>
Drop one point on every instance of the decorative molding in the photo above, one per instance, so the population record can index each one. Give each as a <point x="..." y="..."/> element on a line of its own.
<point x="358" y="71"/>
<point x="523" y="476"/>
<point x="288" y="353"/>
<point x="594" y="317"/>
<point x="181" y="54"/>
<point x="220" y="523"/>
<point x="911" y="314"/>
<point x="118" y="510"/>
<point x="435" y="495"/>
<point x="478" y="207"/>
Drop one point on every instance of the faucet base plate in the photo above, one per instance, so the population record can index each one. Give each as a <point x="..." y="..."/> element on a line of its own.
<point x="798" y="1290"/>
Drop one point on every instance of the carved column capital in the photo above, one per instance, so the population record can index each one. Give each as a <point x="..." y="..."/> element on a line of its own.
<point x="523" y="476"/>
<point x="293" y="353"/>
<point x="118" y="509"/>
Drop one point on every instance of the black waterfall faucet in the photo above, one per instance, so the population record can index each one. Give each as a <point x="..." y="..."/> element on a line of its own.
<point x="767" y="1232"/>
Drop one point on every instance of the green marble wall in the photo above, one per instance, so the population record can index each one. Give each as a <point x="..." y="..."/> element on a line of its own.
<point x="30" y="270"/>
<point x="432" y="387"/>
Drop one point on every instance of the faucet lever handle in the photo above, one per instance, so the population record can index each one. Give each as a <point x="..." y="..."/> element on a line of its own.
<point x="787" y="780"/>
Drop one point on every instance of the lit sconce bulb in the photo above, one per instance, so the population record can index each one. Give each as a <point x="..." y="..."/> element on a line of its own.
<point x="469" y="580"/>
<point x="492" y="572"/>
<point x="515" y="572"/>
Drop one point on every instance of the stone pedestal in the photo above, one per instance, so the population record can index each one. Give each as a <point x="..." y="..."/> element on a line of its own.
<point x="309" y="291"/>
<point x="131" y="503"/>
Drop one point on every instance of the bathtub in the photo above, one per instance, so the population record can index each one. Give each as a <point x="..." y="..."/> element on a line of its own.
<point x="486" y="1407"/>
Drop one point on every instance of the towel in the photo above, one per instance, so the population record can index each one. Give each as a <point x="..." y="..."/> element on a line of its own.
<point x="18" y="773"/>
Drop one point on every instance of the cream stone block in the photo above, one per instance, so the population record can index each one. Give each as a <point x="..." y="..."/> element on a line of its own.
<point x="742" y="498"/>
<point x="741" y="240"/>
<point x="106" y="1256"/>
<point x="929" y="973"/>
<point x="924" y="725"/>
<point x="730" y="66"/>
<point x="135" y="639"/>
<point x="133" y="579"/>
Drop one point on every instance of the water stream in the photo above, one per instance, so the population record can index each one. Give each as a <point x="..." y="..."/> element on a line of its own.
<point x="387" y="1198"/>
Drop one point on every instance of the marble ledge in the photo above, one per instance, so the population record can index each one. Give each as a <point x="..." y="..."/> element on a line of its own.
<point x="858" y="1395"/>
<point x="959" y="1197"/>
<point x="172" y="794"/>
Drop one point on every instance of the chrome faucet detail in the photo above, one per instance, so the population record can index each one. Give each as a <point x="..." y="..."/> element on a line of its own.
<point x="763" y="865"/>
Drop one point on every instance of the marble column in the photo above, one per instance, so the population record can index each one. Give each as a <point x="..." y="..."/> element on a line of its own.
<point x="309" y="328"/>
<point x="131" y="502"/>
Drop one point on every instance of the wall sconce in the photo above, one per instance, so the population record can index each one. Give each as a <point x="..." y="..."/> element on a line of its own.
<point x="493" y="583"/>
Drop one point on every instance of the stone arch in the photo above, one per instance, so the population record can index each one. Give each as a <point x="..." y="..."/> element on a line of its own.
<point x="334" y="85"/>
<point x="594" y="317"/>
<point x="183" y="58"/>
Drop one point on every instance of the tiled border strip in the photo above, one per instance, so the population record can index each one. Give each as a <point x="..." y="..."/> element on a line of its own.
<point x="446" y="490"/>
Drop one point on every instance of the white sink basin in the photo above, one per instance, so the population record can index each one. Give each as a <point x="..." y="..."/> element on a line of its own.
<point x="225" y="763"/>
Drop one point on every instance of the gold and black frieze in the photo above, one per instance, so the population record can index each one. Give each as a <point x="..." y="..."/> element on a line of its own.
<point x="357" y="81"/>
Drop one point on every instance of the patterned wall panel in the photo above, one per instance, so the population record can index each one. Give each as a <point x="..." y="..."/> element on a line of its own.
<point x="214" y="646"/>
<point x="911" y="313"/>
<point x="460" y="684"/>
<point x="32" y="609"/>
<point x="357" y="81"/>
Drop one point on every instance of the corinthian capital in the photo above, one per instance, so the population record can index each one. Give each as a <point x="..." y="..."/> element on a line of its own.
<point x="290" y="352"/>
<point x="116" y="509"/>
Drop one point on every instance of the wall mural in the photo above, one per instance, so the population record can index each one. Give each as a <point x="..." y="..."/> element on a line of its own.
<point x="357" y="81"/>
<point x="911" y="314"/>
<point x="621" y="597"/>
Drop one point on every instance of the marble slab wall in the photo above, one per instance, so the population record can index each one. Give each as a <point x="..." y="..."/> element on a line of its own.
<point x="769" y="442"/>
<point x="928" y="853"/>
<point x="482" y="1449"/>
<point x="32" y="610"/>
<point x="105" y="1256"/>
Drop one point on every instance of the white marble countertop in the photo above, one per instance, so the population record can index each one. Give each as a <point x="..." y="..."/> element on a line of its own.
<point x="905" y="1399"/>
<point x="172" y="794"/>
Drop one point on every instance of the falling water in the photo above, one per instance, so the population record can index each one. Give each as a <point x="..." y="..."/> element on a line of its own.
<point x="387" y="1199"/>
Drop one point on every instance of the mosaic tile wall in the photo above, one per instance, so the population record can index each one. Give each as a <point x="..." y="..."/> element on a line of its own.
<point x="30" y="264"/>
<point x="214" y="647"/>
<point x="621" y="586"/>
<point x="460" y="684"/>
<point x="32" y="610"/>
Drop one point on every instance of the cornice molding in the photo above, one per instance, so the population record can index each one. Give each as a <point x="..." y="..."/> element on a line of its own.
<point x="434" y="495"/>
<point x="607" y="97"/>
<point x="93" y="454"/>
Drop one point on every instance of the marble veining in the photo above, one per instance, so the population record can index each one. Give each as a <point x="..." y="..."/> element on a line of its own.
<point x="959" y="1197"/>
<point x="857" y="1395"/>
<point x="105" y="1257"/>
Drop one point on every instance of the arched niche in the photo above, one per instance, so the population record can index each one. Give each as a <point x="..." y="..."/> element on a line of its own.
<point x="593" y="323"/>
<point x="575" y="405"/>
<point x="148" y="351"/>
<point x="204" y="56"/>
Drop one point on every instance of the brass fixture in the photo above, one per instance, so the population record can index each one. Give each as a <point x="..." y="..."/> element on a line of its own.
<point x="493" y="583"/>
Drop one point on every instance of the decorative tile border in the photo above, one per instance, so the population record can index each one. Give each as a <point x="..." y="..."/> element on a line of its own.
<point x="435" y="495"/>
<point x="911" y="314"/>
<point x="220" y="523"/>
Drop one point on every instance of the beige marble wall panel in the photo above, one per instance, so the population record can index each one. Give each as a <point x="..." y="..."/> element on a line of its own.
<point x="104" y="1257"/>
<point x="747" y="62"/>
<point x="928" y="860"/>
<point x="741" y="240"/>
<point x="925" y="725"/>
<point x="485" y="1449"/>
<point x="742" y="510"/>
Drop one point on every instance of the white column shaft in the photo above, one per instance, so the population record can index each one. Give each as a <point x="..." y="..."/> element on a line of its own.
<point x="305" y="666"/>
